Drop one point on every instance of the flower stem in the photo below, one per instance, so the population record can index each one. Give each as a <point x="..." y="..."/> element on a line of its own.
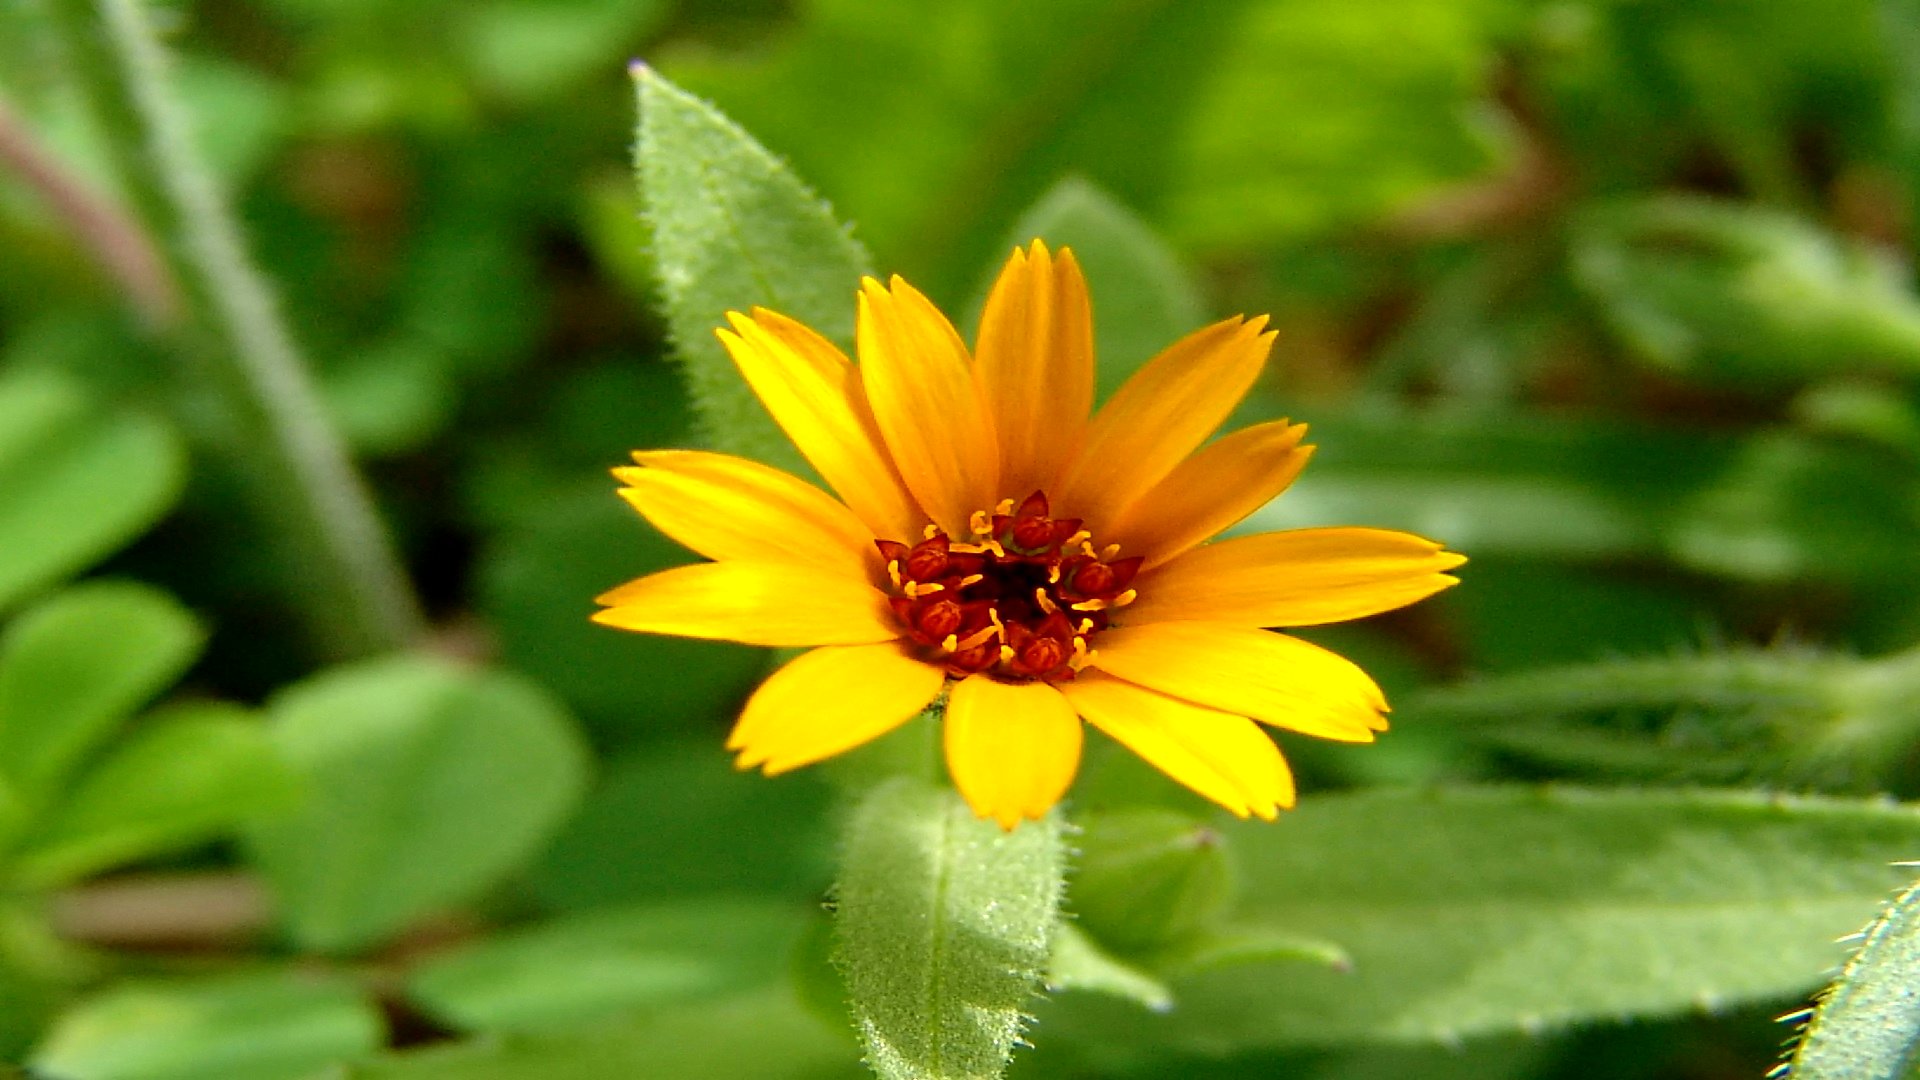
<point x="343" y="572"/>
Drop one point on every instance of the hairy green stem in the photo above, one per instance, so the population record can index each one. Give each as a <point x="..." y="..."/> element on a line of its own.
<point x="342" y="571"/>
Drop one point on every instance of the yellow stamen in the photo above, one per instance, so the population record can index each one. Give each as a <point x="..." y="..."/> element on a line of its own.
<point x="1110" y="552"/>
<point x="917" y="589"/>
<point x="1004" y="508"/>
<point x="1077" y="539"/>
<point x="1053" y="574"/>
<point x="971" y="579"/>
<point x="1086" y="626"/>
<point x="930" y="531"/>
<point x="951" y="643"/>
<point x="1007" y="653"/>
<point x="1095" y="604"/>
<point x="893" y="572"/>
<point x="1046" y="602"/>
<point x="1126" y="598"/>
<point x="978" y="637"/>
<point x="980" y="523"/>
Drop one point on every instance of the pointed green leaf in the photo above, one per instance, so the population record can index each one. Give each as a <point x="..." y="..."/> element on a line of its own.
<point x="1145" y="877"/>
<point x="943" y="930"/>
<point x="76" y="481"/>
<point x="266" y="1026"/>
<point x="1078" y="963"/>
<point x="1867" y="1024"/>
<point x="734" y="228"/>
<point x="182" y="779"/>
<point x="1219" y="948"/>
<point x="74" y="668"/>
<point x="425" y="782"/>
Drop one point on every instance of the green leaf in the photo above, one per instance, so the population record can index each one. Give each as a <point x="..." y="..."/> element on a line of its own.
<point x="942" y="930"/>
<point x="74" y="668"/>
<point x="1078" y="963"/>
<point x="1145" y="877"/>
<point x="1479" y="911"/>
<point x="1143" y="299"/>
<point x="182" y="779"/>
<point x="604" y="964"/>
<point x="1223" y="947"/>
<point x="536" y="51"/>
<point x="76" y="482"/>
<point x="764" y="1035"/>
<point x="1866" y="1026"/>
<point x="266" y="1026"/>
<point x="425" y="784"/>
<point x="733" y="228"/>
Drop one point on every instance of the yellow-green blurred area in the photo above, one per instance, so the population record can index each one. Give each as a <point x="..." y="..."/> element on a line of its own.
<point x="1613" y="296"/>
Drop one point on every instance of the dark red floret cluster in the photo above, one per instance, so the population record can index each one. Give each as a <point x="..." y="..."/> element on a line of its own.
<point x="1019" y="600"/>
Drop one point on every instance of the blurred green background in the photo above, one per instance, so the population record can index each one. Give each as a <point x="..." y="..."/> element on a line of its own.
<point x="1613" y="296"/>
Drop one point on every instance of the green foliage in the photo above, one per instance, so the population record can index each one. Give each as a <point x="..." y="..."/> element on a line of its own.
<point x="79" y="482"/>
<point x="264" y="1026"/>
<point x="425" y="783"/>
<point x="1866" y="1025"/>
<point x="942" y="930"/>
<point x="1078" y="963"/>
<point x="1147" y="877"/>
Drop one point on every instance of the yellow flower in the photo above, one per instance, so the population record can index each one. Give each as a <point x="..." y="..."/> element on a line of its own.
<point x="1038" y="565"/>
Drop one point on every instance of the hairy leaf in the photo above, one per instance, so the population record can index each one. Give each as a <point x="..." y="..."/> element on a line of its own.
<point x="1867" y="1024"/>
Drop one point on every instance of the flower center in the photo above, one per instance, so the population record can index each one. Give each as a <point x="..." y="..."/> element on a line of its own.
<point x="1019" y="599"/>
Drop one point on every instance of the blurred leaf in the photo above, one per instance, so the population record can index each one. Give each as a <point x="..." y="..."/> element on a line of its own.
<point x="1866" y="1026"/>
<point x="75" y="483"/>
<point x="1078" y="963"/>
<point x="1733" y="293"/>
<point x="721" y="831"/>
<point x="75" y="667"/>
<point x="531" y="51"/>
<point x="732" y="229"/>
<point x="600" y="965"/>
<point x="390" y="399"/>
<point x="1145" y="877"/>
<point x="942" y="930"/>
<point x="425" y="783"/>
<point x="1143" y="299"/>
<point x="1621" y="614"/>
<point x="763" y="1035"/>
<point x="1488" y="910"/>
<point x="181" y="779"/>
<point x="1231" y="124"/>
<point x="267" y="1026"/>
<point x="1220" y="948"/>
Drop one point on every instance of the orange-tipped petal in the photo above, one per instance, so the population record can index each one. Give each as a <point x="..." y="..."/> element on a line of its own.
<point x="1224" y="757"/>
<point x="727" y="507"/>
<point x="829" y="701"/>
<point x="1012" y="748"/>
<point x="756" y="603"/>
<point x="1164" y="411"/>
<point x="926" y="404"/>
<point x="1212" y="490"/>
<point x="1034" y="361"/>
<point x="1304" y="577"/>
<point x="813" y="392"/>
<point x="1270" y="677"/>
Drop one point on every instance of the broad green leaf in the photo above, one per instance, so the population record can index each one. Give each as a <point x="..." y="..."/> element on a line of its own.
<point x="75" y="667"/>
<point x="425" y="783"/>
<point x="265" y="1026"/>
<point x="76" y="482"/>
<point x="733" y="228"/>
<point x="1145" y="877"/>
<point x="1866" y="1026"/>
<point x="601" y="965"/>
<point x="1480" y="911"/>
<point x="1143" y="299"/>
<point x="534" y="51"/>
<point x="181" y="779"/>
<point x="1078" y="963"/>
<point x="1223" y="947"/>
<point x="764" y="1035"/>
<point x="942" y="930"/>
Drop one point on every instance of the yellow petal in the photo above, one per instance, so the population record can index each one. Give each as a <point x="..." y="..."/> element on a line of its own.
<point x="814" y="393"/>
<point x="920" y="383"/>
<point x="1275" y="679"/>
<point x="1034" y="361"/>
<point x="726" y="507"/>
<point x="1222" y="756"/>
<point x="1210" y="491"/>
<point x="1164" y="411"/>
<point x="1305" y="577"/>
<point x="831" y="700"/>
<point x="774" y="604"/>
<point x="1012" y="747"/>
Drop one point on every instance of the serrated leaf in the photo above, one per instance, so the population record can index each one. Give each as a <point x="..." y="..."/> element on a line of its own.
<point x="734" y="228"/>
<point x="942" y="930"/>
<point x="1866" y="1026"/>
<point x="425" y="783"/>
<point x="76" y="482"/>
<point x="1487" y="910"/>
<point x="182" y="779"/>
<point x="267" y="1026"/>
<point x="1079" y="963"/>
<point x="75" y="667"/>
<point x="604" y="964"/>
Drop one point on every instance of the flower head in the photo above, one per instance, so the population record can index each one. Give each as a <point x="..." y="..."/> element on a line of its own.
<point x="1040" y="565"/>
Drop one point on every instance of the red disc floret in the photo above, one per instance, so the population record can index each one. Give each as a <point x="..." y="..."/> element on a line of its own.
<point x="1019" y="600"/>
